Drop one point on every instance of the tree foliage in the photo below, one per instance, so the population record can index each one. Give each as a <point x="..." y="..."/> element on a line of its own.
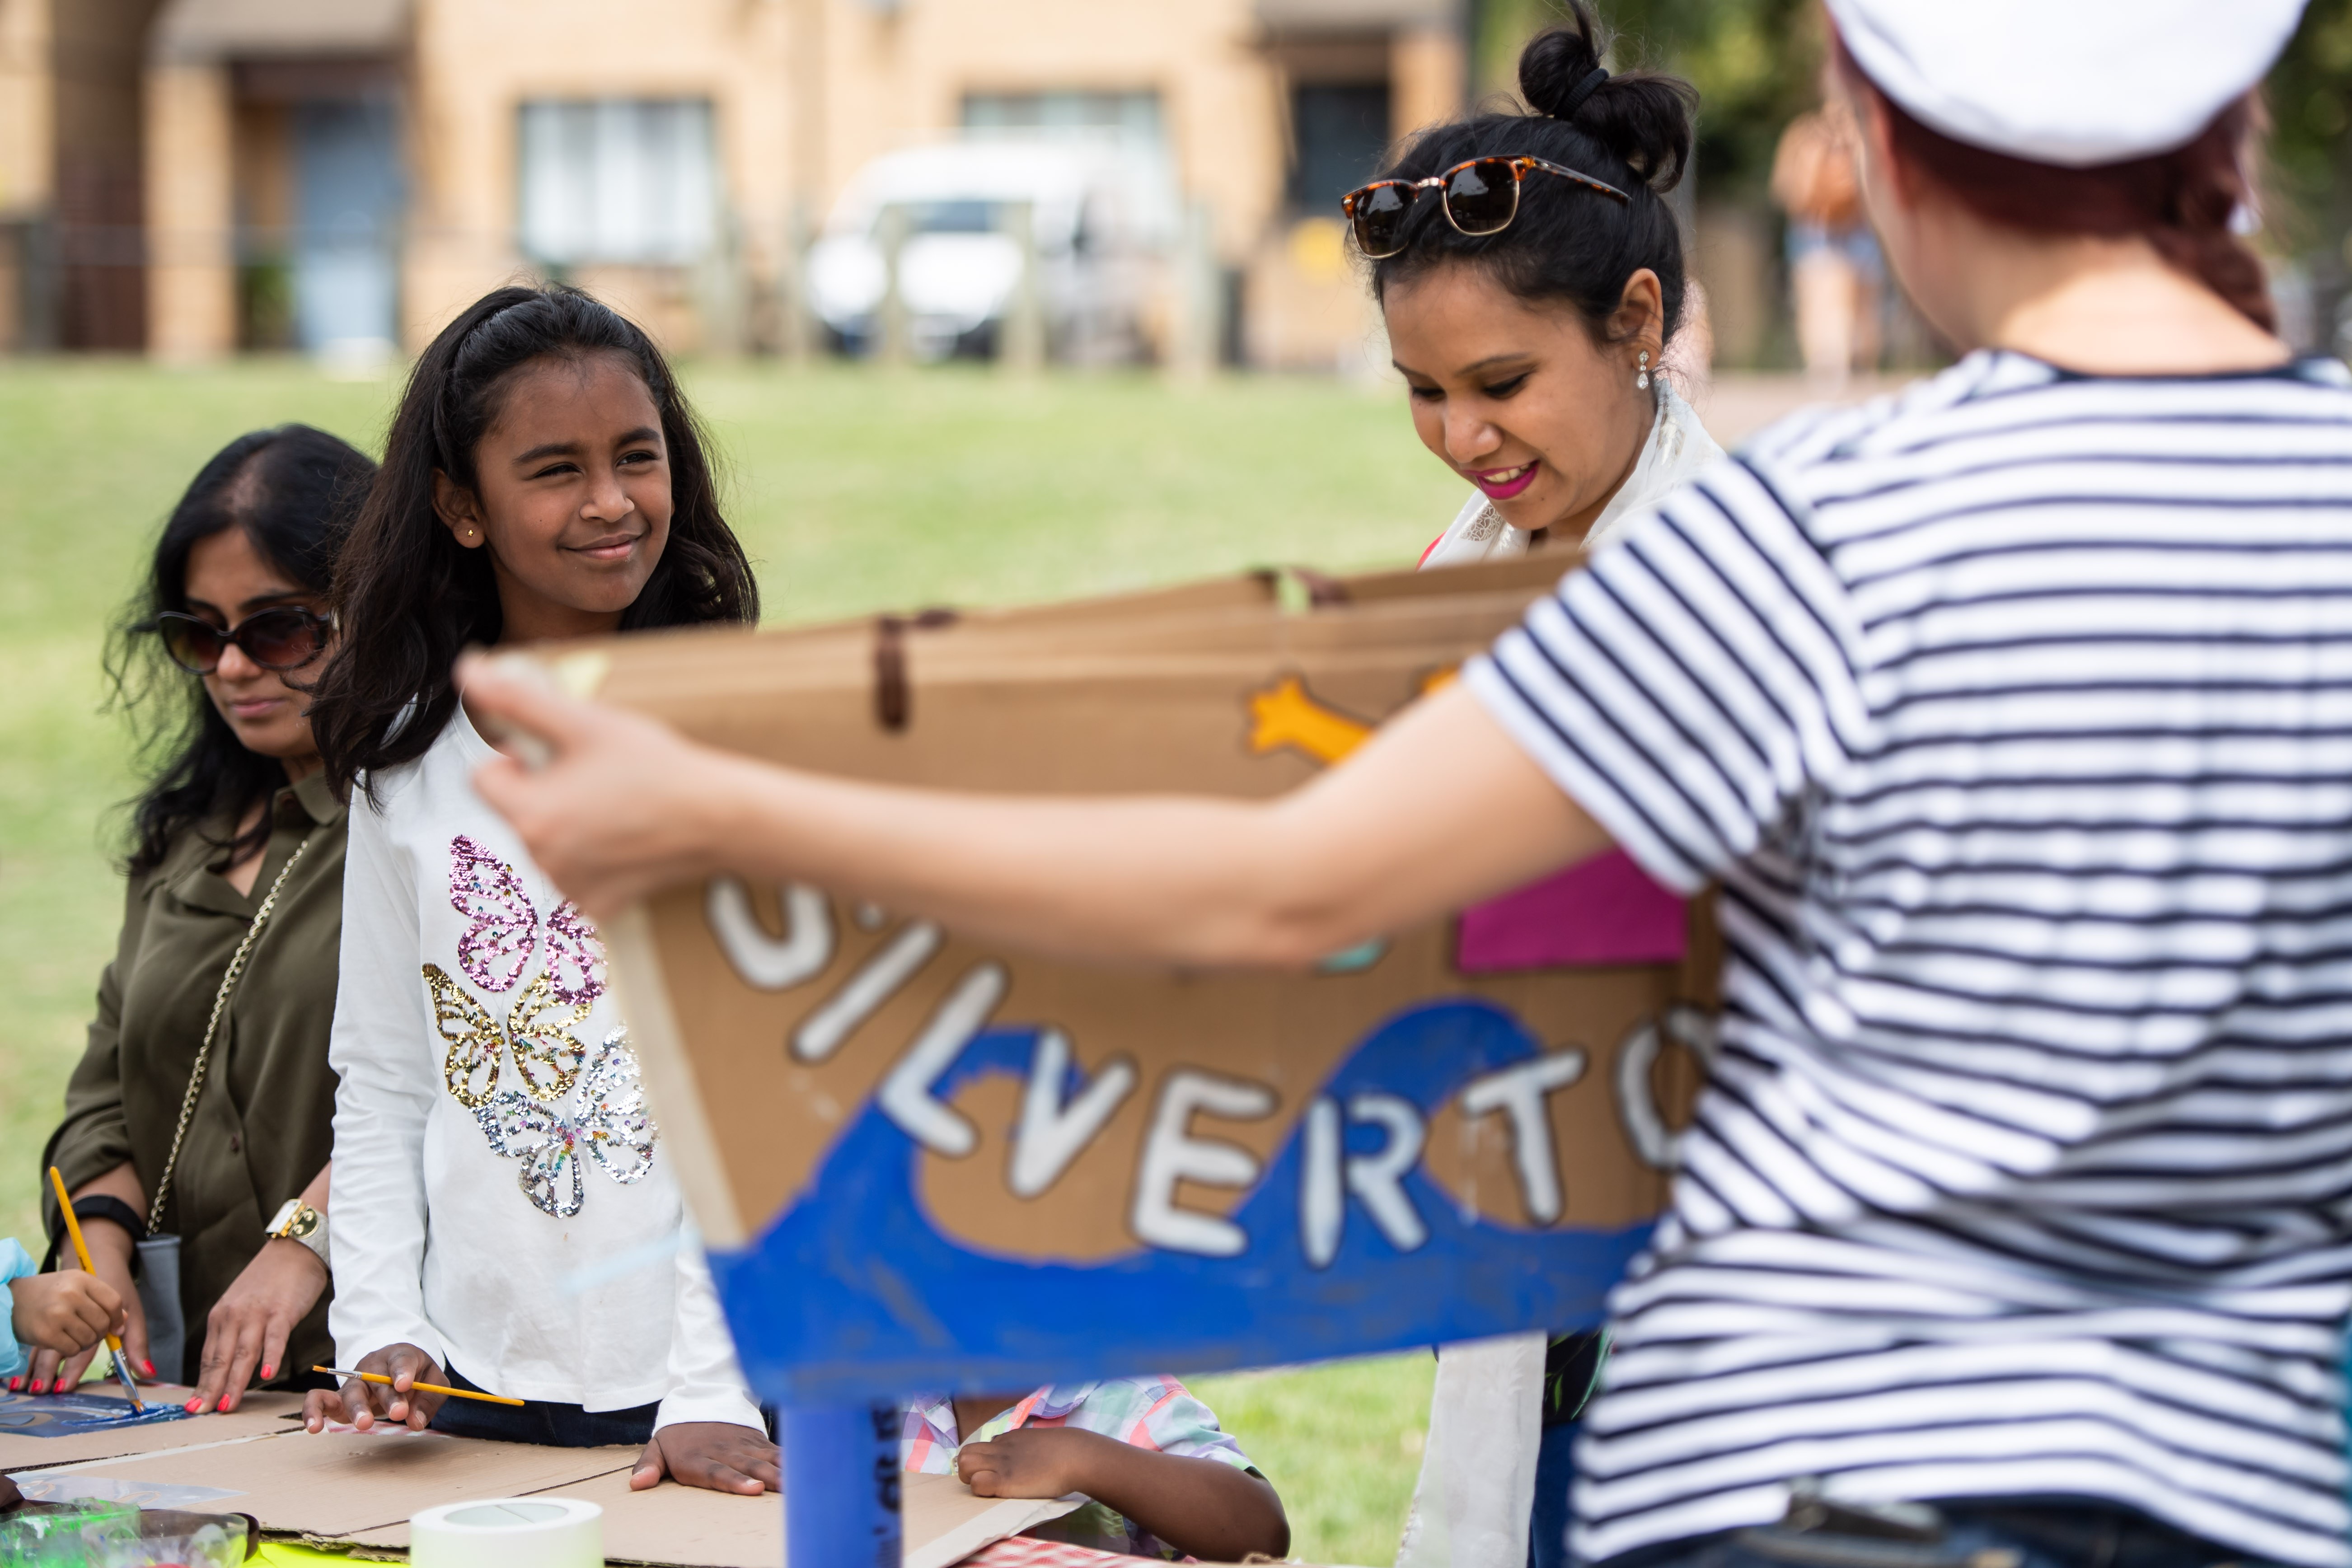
<point x="1757" y="64"/>
<point x="2310" y="99"/>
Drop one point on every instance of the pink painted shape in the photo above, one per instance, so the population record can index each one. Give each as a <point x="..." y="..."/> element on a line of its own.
<point x="1606" y="911"/>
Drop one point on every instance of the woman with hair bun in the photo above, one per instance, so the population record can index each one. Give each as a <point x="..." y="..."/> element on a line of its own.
<point x="1532" y="279"/>
<point x="2012" y="716"/>
<point x="1531" y="276"/>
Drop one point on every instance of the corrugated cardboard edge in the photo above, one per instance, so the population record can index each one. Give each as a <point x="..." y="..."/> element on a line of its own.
<point x="644" y="997"/>
<point x="1008" y="1518"/>
<point x="389" y="1544"/>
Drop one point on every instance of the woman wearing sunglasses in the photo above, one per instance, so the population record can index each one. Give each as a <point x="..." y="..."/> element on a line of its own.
<point x="204" y="1107"/>
<point x="1531" y="276"/>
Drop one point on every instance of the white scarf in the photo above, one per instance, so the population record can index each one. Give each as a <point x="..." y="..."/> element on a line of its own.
<point x="1472" y="1505"/>
<point x="1678" y="447"/>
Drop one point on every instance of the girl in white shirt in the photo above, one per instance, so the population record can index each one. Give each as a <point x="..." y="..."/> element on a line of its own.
<point x="499" y="1172"/>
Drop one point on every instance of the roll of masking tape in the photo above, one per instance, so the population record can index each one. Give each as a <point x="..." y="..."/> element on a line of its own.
<point x="508" y="1532"/>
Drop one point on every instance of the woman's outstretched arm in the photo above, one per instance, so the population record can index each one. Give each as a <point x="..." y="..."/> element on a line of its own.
<point x="1439" y="809"/>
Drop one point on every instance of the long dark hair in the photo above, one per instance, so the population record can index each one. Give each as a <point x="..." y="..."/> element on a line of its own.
<point x="294" y="490"/>
<point x="2181" y="201"/>
<point x="410" y="598"/>
<point x="1632" y="131"/>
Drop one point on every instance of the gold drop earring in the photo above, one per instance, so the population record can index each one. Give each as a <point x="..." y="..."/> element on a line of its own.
<point x="1642" y="380"/>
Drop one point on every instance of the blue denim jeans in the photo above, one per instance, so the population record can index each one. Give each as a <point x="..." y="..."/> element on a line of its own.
<point x="1985" y="1533"/>
<point x="1555" y="1475"/>
<point x="549" y="1425"/>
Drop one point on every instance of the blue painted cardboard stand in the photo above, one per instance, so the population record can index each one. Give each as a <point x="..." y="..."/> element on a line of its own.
<point x="852" y="1298"/>
<point x="841" y="1486"/>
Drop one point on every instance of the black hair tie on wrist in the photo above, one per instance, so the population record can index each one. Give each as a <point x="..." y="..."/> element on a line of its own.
<point x="1580" y="92"/>
<point x="96" y="1205"/>
<point x="99" y="1205"/>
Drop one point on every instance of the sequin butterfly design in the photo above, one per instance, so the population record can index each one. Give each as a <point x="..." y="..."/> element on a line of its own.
<point x="538" y="1030"/>
<point x="503" y="931"/>
<point x="503" y="934"/>
<point x="606" y="1122"/>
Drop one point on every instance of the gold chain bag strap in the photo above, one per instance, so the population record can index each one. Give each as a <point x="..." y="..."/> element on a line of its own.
<point x="159" y="1252"/>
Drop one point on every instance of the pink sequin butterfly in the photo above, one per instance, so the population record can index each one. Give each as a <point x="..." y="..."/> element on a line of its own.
<point x="503" y="931"/>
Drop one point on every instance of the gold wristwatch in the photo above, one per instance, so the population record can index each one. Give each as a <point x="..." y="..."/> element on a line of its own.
<point x="297" y="1221"/>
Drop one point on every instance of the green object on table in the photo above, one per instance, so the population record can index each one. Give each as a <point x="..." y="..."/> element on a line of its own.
<point x="294" y="1554"/>
<point x="64" y="1536"/>
<point x="91" y="1534"/>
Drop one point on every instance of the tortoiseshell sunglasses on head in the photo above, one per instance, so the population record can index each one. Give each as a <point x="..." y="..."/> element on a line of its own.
<point x="1481" y="197"/>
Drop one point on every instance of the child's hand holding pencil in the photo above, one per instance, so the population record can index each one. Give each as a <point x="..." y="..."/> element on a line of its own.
<point x="68" y="1313"/>
<point x="81" y="1254"/>
<point x="412" y="1387"/>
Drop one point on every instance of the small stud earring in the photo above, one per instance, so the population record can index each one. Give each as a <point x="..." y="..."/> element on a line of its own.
<point x="1643" y="380"/>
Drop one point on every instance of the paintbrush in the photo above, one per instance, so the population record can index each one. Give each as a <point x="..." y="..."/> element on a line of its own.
<point x="81" y="1251"/>
<point x="377" y="1377"/>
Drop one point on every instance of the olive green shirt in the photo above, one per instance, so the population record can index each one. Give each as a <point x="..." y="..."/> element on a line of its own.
<point x="264" y="1122"/>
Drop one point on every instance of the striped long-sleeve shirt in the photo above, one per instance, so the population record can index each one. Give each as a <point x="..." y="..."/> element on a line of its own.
<point x="2014" y="718"/>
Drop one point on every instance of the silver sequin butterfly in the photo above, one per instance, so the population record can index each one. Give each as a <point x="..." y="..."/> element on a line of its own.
<point x="608" y="1121"/>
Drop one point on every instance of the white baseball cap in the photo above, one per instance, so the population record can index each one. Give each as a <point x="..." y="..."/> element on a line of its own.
<point x="2070" y="82"/>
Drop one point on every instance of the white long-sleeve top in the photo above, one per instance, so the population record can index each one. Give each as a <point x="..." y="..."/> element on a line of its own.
<point x="1477" y="1486"/>
<point x="502" y="1201"/>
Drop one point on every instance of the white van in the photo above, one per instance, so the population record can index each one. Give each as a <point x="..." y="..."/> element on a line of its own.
<point x="1102" y="223"/>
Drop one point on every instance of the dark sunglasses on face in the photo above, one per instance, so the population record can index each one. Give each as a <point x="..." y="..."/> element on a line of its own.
<point x="286" y="638"/>
<point x="1480" y="196"/>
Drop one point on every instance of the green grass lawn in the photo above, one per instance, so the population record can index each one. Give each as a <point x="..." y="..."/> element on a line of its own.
<point x="854" y="492"/>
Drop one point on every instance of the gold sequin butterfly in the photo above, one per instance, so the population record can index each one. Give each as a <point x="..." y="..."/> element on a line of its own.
<point x="537" y="1030"/>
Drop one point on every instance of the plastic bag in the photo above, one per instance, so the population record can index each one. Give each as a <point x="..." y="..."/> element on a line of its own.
<point x="93" y="1534"/>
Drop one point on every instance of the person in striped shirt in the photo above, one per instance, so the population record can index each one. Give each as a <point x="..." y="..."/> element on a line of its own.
<point x="2012" y="717"/>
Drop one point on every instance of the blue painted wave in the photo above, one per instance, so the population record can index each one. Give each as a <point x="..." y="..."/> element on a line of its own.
<point x="852" y="1294"/>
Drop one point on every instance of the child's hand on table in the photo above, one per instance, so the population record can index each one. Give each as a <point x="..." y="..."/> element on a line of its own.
<point x="716" y="1456"/>
<point x="1032" y="1461"/>
<point x="66" y="1313"/>
<point x="365" y="1403"/>
<point x="1203" y="1508"/>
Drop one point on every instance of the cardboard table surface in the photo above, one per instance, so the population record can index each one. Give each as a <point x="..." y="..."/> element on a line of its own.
<point x="362" y="1489"/>
<point x="337" y="1484"/>
<point x="944" y="1523"/>
<point x="257" y="1415"/>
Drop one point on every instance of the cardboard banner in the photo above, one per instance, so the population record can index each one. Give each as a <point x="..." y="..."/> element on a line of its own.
<point x="920" y="1162"/>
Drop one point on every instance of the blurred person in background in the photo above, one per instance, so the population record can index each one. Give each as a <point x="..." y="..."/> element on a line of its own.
<point x="1834" y="267"/>
<point x="2008" y="714"/>
<point x="1529" y="308"/>
<point x="225" y="1147"/>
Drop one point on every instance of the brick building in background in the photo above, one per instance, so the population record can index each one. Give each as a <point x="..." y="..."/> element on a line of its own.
<point x="199" y="177"/>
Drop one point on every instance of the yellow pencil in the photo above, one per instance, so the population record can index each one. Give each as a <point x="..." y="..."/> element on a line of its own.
<point x="377" y="1377"/>
<point x="81" y="1251"/>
